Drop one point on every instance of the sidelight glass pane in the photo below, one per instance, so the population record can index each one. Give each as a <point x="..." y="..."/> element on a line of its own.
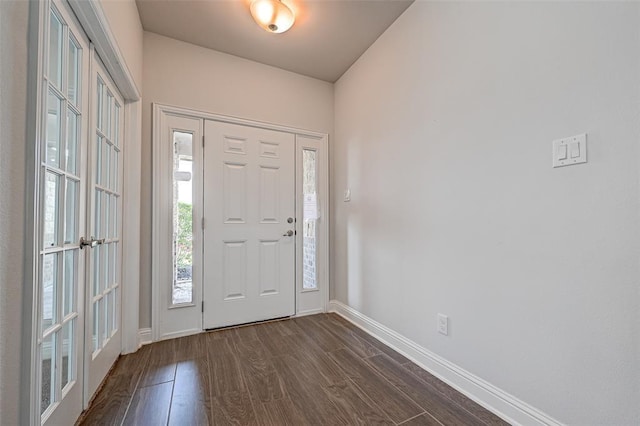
<point x="49" y="289"/>
<point x="310" y="220"/>
<point x="182" y="218"/>
<point x="68" y="346"/>
<point x="51" y="209"/>
<point x="73" y="73"/>
<point x="55" y="50"/>
<point x="54" y="129"/>
<point x="48" y="351"/>
<point x="71" y="150"/>
<point x="68" y="292"/>
<point x="71" y="212"/>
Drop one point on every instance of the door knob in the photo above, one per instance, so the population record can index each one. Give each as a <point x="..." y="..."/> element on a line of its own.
<point x="289" y="233"/>
<point x="90" y="243"/>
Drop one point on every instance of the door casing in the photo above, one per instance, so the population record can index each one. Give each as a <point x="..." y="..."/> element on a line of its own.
<point x="161" y="252"/>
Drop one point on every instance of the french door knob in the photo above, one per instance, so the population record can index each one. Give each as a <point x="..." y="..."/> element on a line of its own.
<point x="91" y="243"/>
<point x="289" y="233"/>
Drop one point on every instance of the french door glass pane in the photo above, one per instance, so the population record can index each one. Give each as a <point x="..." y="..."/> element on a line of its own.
<point x="97" y="228"/>
<point x="105" y="166"/>
<point x="96" y="324"/>
<point x="106" y="214"/>
<point x="310" y="219"/>
<point x="68" y="293"/>
<point x="73" y="73"/>
<point x="54" y="129"/>
<point x="71" y="221"/>
<point x="114" y="315"/>
<point x="116" y="126"/>
<point x="99" y="104"/>
<point x="55" y="50"/>
<point x="71" y="151"/>
<point x="51" y="210"/>
<point x="96" y="271"/>
<point x="108" y="125"/>
<point x="106" y="324"/>
<point x="49" y="289"/>
<point x="68" y="351"/>
<point x="48" y="351"/>
<point x="98" y="164"/>
<point x="182" y="291"/>
<point x="114" y="171"/>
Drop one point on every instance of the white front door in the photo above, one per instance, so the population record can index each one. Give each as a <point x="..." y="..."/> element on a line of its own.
<point x="249" y="235"/>
<point x="102" y="334"/>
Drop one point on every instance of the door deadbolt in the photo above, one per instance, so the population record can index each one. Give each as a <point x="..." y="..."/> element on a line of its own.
<point x="290" y="220"/>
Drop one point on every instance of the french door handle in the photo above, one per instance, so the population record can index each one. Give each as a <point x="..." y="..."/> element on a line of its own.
<point x="289" y="233"/>
<point x="90" y="243"/>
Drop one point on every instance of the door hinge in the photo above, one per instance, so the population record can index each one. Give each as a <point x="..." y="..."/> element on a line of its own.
<point x="202" y="224"/>
<point x="202" y="307"/>
<point x="203" y="141"/>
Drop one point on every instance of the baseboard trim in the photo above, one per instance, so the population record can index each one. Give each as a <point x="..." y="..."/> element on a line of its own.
<point x="496" y="400"/>
<point x="182" y="333"/>
<point x="144" y="336"/>
<point x="309" y="312"/>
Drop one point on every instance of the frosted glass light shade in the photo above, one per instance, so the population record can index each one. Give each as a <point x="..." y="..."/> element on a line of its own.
<point x="272" y="15"/>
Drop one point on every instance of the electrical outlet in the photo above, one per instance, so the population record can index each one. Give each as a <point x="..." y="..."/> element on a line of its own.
<point x="443" y="324"/>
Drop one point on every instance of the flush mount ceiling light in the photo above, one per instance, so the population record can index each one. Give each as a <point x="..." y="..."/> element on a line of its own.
<point x="272" y="15"/>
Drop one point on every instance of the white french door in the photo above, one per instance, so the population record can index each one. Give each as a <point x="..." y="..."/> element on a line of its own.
<point x="77" y="302"/>
<point x="62" y="213"/>
<point x="103" y="332"/>
<point x="249" y="236"/>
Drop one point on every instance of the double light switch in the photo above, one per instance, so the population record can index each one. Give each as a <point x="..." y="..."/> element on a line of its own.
<point x="570" y="151"/>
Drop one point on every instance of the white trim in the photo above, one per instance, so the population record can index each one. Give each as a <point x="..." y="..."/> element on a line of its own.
<point x="192" y="113"/>
<point x="144" y="336"/>
<point x="501" y="403"/>
<point x="130" y="274"/>
<point x="181" y="333"/>
<point x="38" y="16"/>
<point x="96" y="26"/>
<point x="310" y="312"/>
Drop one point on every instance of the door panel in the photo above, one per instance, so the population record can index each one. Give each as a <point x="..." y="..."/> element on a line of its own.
<point x="62" y="218"/>
<point x="103" y="337"/>
<point x="249" y="196"/>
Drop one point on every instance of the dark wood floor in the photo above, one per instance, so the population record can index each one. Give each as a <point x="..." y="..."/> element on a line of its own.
<point x="312" y="370"/>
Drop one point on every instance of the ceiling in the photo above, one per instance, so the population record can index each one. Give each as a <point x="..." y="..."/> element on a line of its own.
<point x="327" y="38"/>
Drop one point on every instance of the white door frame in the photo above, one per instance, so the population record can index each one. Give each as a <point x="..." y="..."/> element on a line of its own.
<point x="95" y="24"/>
<point x="161" y="253"/>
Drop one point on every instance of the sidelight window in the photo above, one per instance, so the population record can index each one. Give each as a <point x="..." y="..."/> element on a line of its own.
<point x="182" y="291"/>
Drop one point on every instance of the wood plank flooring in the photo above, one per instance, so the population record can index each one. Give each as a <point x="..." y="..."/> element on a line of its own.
<point x="315" y="370"/>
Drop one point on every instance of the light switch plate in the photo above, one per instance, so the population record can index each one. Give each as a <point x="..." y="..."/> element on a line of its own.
<point x="570" y="151"/>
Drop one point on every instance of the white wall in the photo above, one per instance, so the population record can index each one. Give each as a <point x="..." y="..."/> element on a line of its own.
<point x="181" y="74"/>
<point x="13" y="88"/>
<point x="125" y="24"/>
<point x="443" y="132"/>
